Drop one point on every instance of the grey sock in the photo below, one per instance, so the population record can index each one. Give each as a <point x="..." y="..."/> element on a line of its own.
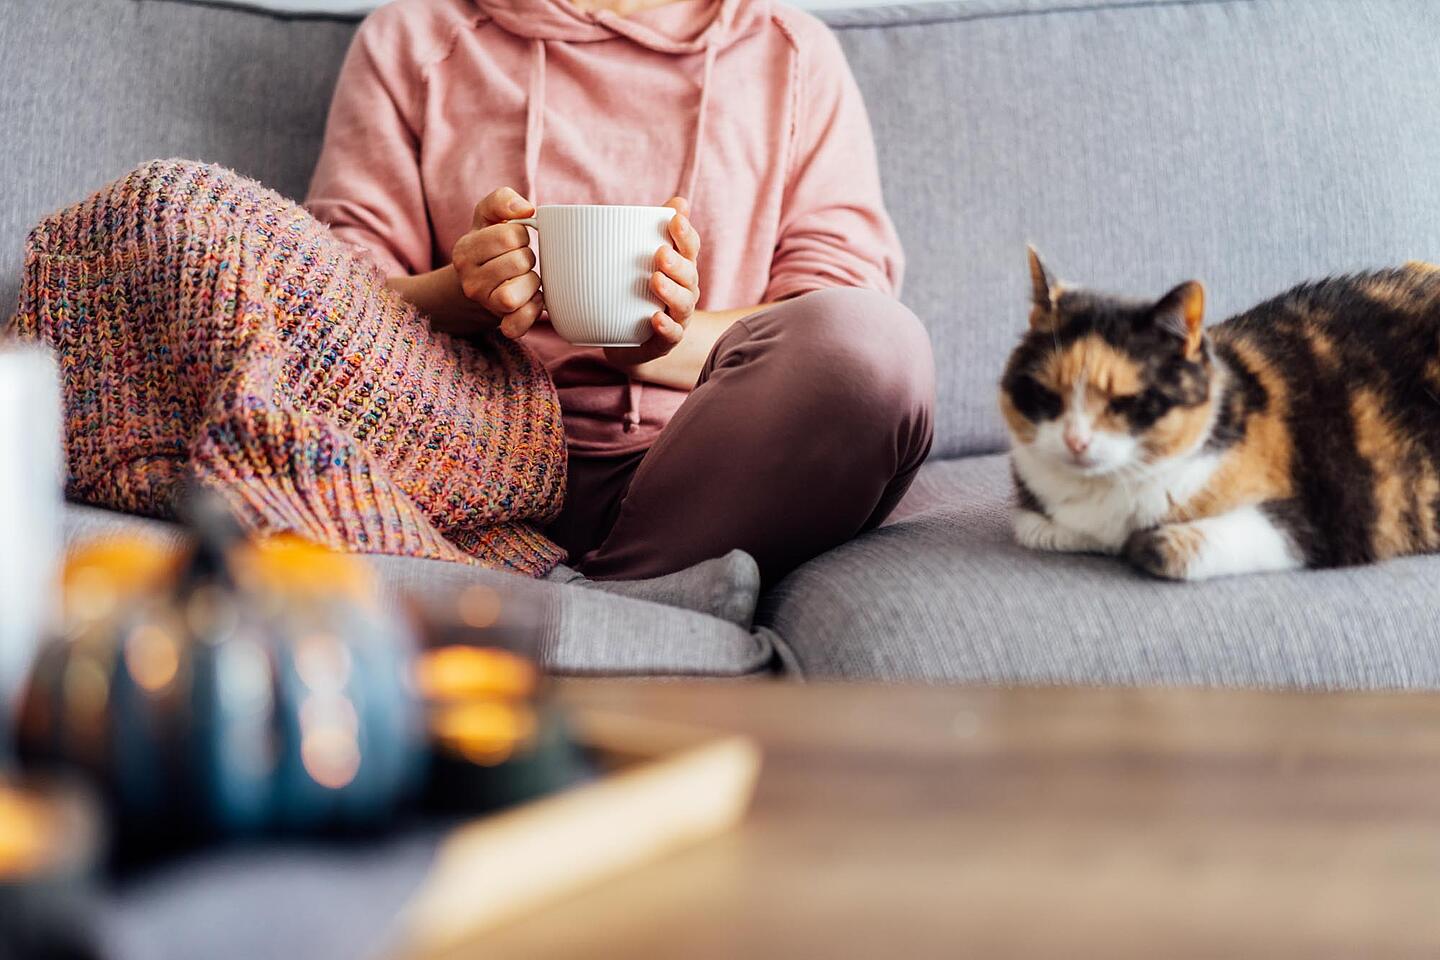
<point x="727" y="587"/>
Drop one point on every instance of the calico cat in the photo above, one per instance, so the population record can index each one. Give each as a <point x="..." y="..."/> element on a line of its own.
<point x="1302" y="433"/>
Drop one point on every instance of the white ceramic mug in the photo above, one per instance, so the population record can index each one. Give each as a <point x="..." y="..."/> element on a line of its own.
<point x="595" y="267"/>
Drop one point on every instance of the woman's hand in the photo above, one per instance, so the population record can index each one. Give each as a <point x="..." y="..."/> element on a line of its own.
<point x="676" y="282"/>
<point x="495" y="265"/>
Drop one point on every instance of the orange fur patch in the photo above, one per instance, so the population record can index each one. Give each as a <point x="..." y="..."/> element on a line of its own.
<point x="1426" y="492"/>
<point x="1379" y="442"/>
<point x="1409" y="289"/>
<point x="1107" y="373"/>
<point x="1257" y="469"/>
<point x="1179" y="431"/>
<point x="1324" y="349"/>
<point x="1023" y="429"/>
<point x="1432" y="376"/>
<point x="1391" y="292"/>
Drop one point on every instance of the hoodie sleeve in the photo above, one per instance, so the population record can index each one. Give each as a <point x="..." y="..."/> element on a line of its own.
<point x="367" y="181"/>
<point x="834" y="231"/>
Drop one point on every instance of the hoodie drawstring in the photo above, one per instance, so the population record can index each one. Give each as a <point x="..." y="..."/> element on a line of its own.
<point x="686" y="189"/>
<point x="534" y="120"/>
<point x="632" y="406"/>
<point x="697" y="143"/>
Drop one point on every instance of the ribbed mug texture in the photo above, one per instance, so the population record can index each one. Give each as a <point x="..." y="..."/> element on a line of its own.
<point x="595" y="266"/>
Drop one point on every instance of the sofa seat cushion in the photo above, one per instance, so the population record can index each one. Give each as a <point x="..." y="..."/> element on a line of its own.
<point x="571" y="630"/>
<point x="943" y="592"/>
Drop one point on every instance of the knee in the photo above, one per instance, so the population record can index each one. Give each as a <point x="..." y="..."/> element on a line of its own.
<point x="862" y="355"/>
<point x="157" y="176"/>
<point x="185" y="185"/>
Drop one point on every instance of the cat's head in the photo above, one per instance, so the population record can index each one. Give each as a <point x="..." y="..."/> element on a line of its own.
<point x="1101" y="384"/>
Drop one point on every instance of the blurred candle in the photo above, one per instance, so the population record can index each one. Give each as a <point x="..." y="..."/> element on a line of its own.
<point x="30" y="512"/>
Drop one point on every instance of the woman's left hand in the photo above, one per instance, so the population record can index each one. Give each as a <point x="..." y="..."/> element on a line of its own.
<point x="676" y="282"/>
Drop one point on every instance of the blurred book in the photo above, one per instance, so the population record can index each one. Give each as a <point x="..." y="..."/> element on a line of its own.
<point x="662" y="788"/>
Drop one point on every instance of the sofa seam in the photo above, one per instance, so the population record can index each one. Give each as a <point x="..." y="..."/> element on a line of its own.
<point x="783" y="659"/>
<point x="954" y="16"/>
<point x="241" y="6"/>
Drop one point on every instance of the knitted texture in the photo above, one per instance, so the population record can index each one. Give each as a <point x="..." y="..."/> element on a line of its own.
<point x="208" y="329"/>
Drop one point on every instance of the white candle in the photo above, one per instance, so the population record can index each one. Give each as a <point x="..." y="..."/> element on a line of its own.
<point x="31" y="479"/>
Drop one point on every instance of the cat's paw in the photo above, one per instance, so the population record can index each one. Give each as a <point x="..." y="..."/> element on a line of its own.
<point x="1168" y="551"/>
<point x="1039" y="532"/>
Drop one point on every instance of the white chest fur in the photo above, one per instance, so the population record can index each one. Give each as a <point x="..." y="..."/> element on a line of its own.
<point x="1107" y="509"/>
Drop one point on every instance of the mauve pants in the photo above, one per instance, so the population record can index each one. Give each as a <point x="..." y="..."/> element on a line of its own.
<point x="806" y="427"/>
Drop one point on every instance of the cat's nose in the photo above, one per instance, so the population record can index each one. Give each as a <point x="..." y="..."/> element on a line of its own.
<point x="1076" y="443"/>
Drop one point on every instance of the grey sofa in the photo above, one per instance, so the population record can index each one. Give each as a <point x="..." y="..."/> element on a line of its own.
<point x="1250" y="143"/>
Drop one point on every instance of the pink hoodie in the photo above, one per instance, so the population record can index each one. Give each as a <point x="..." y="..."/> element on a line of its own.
<point x="746" y="108"/>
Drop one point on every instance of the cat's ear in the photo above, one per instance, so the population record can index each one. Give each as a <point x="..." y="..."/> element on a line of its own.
<point x="1043" y="291"/>
<point x="1182" y="312"/>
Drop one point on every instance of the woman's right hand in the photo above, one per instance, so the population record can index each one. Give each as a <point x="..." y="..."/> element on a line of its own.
<point x="495" y="264"/>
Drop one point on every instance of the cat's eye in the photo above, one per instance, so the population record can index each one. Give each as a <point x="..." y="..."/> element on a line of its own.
<point x="1145" y="408"/>
<point x="1033" y="401"/>
<point x="1123" y="404"/>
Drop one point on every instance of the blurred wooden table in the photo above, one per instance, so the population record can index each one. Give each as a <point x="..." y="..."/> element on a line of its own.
<point x="902" y="822"/>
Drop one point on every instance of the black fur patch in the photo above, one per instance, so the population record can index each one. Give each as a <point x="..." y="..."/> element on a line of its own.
<point x="1144" y="550"/>
<point x="1335" y="512"/>
<point x="1291" y="517"/>
<point x="1032" y="401"/>
<point x="1244" y="395"/>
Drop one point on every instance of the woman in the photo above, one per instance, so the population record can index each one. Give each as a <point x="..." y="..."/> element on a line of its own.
<point x="785" y="400"/>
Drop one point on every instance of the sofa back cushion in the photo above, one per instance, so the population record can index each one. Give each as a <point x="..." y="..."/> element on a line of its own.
<point x="1249" y="143"/>
<point x="91" y="88"/>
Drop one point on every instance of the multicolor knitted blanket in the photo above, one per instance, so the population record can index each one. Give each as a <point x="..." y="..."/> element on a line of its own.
<point x="208" y="329"/>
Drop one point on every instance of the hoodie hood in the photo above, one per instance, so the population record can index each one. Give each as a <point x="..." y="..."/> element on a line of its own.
<point x="684" y="27"/>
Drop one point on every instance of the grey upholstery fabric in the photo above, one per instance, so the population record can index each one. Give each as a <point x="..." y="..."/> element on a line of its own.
<point x="572" y="630"/>
<point x="1250" y="143"/>
<point x="944" y="593"/>
<point x="93" y="87"/>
